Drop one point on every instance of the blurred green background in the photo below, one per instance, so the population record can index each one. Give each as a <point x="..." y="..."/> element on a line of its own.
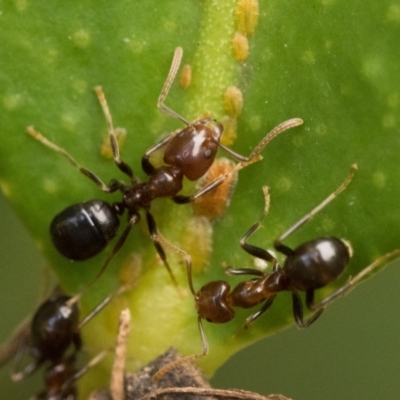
<point x="352" y="352"/>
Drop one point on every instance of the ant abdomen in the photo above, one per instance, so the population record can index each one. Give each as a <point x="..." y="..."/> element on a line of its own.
<point x="213" y="302"/>
<point x="193" y="150"/>
<point x="84" y="229"/>
<point x="316" y="263"/>
<point x="54" y="328"/>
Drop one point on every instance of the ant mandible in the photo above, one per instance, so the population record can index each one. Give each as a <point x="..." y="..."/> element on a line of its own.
<point x="53" y="337"/>
<point x="310" y="266"/>
<point x="85" y="229"/>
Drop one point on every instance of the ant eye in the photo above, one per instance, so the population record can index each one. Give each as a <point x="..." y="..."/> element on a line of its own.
<point x="208" y="153"/>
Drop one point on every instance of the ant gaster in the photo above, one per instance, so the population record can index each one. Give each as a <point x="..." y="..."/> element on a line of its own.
<point x="312" y="265"/>
<point x="54" y="339"/>
<point x="84" y="229"/>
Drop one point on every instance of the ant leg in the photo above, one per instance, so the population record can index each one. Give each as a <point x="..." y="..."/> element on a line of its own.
<point x="147" y="166"/>
<point x="278" y="242"/>
<point x="29" y="369"/>
<point x="14" y="345"/>
<point x="176" y="61"/>
<point x="180" y="199"/>
<point x="134" y="219"/>
<point x="261" y="311"/>
<point x="155" y="237"/>
<point x="352" y="282"/>
<point x="291" y="123"/>
<point x="173" y="364"/>
<point x="182" y="253"/>
<point x="243" y="271"/>
<point x="125" y="168"/>
<point x="99" y="306"/>
<point x="298" y="312"/>
<point x="112" y="187"/>
<point x="254" y="250"/>
<point x="94" y="361"/>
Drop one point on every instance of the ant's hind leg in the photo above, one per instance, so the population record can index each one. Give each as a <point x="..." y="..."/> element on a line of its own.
<point x="352" y="282"/>
<point x="279" y="246"/>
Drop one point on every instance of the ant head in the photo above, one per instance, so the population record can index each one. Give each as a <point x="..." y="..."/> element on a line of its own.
<point x="193" y="149"/>
<point x="212" y="303"/>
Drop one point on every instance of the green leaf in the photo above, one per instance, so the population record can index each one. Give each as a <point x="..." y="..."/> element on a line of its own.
<point x="331" y="63"/>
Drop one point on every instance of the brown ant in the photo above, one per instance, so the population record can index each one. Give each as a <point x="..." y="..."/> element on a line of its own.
<point x="53" y="337"/>
<point x="310" y="266"/>
<point x="85" y="229"/>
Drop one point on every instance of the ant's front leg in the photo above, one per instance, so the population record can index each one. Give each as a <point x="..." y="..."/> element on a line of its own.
<point x="147" y="166"/>
<point x="255" y="251"/>
<point x="123" y="166"/>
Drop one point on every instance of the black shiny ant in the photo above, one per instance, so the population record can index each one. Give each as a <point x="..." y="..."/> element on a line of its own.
<point x="310" y="266"/>
<point x="53" y="337"/>
<point x="85" y="229"/>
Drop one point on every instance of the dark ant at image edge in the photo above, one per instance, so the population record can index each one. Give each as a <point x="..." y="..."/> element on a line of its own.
<point x="52" y="338"/>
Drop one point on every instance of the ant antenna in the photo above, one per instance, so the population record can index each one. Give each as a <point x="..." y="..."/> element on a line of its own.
<point x="176" y="61"/>
<point x="283" y="126"/>
<point x="316" y="210"/>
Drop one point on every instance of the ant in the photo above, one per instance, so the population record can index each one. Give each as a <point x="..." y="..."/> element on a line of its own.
<point x="310" y="266"/>
<point x="48" y="338"/>
<point x="85" y="229"/>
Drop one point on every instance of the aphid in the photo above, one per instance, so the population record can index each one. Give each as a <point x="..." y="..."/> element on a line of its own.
<point x="233" y="101"/>
<point x="240" y="47"/>
<point x="85" y="229"/>
<point x="105" y="149"/>
<point x="214" y="204"/>
<point x="52" y="338"/>
<point x="310" y="266"/>
<point x="246" y="15"/>
<point x="185" y="78"/>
